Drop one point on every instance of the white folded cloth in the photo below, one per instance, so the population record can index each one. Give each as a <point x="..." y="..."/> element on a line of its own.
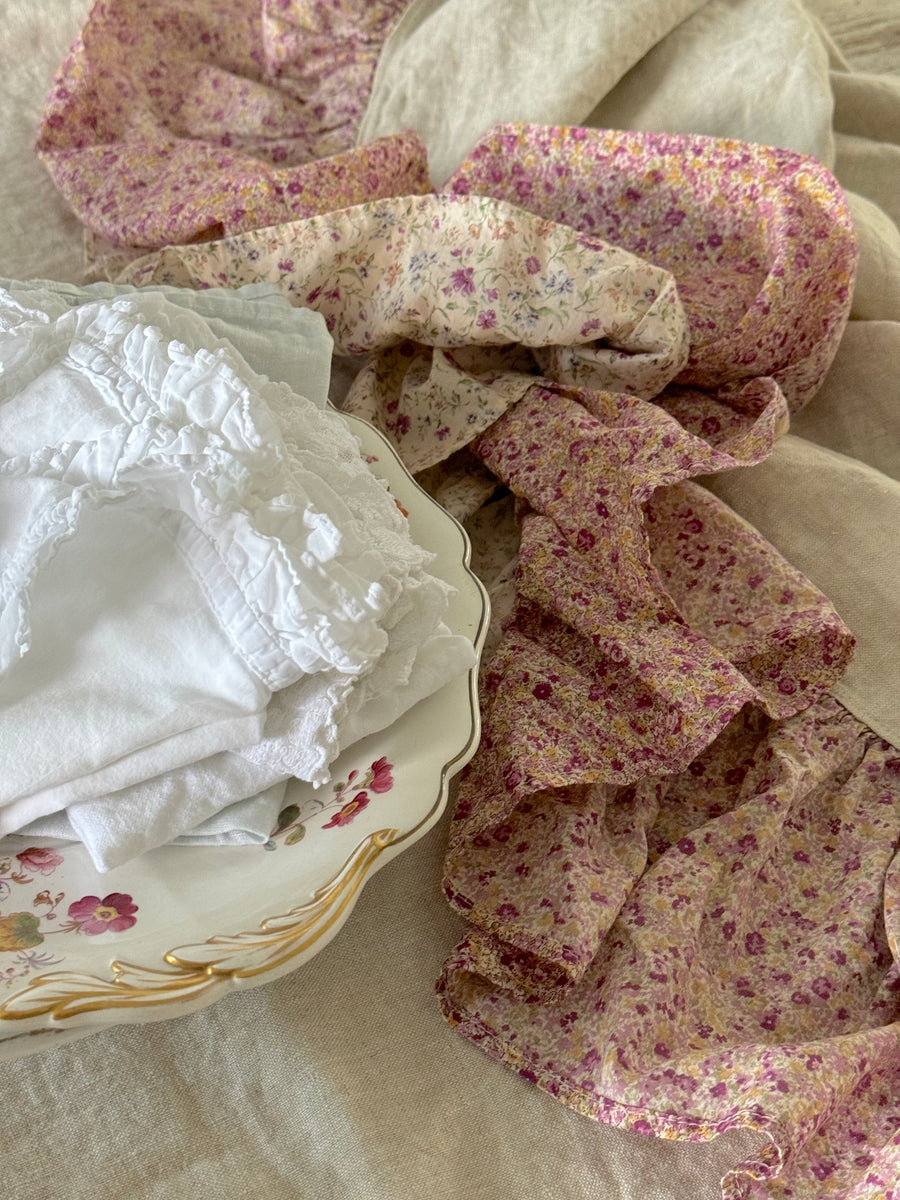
<point x="119" y="827"/>
<point x="286" y="344"/>
<point x="183" y="538"/>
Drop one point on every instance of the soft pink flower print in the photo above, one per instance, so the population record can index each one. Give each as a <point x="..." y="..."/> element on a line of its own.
<point x="39" y="860"/>
<point x="346" y="814"/>
<point x="112" y="914"/>
<point x="382" y="779"/>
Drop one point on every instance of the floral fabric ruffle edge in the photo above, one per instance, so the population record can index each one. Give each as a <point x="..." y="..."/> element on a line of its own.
<point x="649" y="942"/>
<point x="745" y="973"/>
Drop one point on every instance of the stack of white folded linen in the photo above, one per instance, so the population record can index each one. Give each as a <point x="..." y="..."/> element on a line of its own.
<point x="204" y="590"/>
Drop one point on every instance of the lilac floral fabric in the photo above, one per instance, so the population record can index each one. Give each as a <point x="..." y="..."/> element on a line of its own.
<point x="201" y="117"/>
<point x="749" y="232"/>
<point x="675" y="849"/>
<point x="450" y="297"/>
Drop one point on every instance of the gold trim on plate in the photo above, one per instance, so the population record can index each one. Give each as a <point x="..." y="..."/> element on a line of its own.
<point x="195" y="969"/>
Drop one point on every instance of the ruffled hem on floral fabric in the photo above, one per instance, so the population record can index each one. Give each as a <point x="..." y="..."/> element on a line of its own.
<point x="745" y="972"/>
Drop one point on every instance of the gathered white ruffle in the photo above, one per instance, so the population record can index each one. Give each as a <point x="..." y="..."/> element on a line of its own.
<point x="200" y="577"/>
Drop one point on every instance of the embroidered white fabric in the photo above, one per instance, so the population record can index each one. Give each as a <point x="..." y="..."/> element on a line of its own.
<point x="184" y="538"/>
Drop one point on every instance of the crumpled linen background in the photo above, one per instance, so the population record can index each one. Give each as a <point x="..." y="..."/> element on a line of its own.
<point x="679" y="66"/>
<point x="874" y="286"/>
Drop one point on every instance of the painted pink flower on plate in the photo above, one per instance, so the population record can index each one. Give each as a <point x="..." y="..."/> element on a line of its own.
<point x="39" y="859"/>
<point x="382" y="779"/>
<point x="346" y="814"/>
<point x="112" y="914"/>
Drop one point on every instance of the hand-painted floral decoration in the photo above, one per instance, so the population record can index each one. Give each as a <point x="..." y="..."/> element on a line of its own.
<point x="112" y="914"/>
<point x="39" y="859"/>
<point x="378" y="779"/>
<point x="22" y="929"/>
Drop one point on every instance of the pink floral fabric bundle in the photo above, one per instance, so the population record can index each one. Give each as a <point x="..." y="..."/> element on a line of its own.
<point x="673" y="846"/>
<point x="744" y="918"/>
<point x="671" y="842"/>
<point x="203" y="118"/>
<point x="647" y="616"/>
<point x="751" y="233"/>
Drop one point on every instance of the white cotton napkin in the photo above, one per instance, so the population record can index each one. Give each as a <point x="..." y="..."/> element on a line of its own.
<point x="286" y="344"/>
<point x="287" y="563"/>
<point x="235" y="796"/>
<point x="201" y="804"/>
<point x="168" y="559"/>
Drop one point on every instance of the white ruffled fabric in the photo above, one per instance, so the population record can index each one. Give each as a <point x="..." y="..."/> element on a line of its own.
<point x="203" y="588"/>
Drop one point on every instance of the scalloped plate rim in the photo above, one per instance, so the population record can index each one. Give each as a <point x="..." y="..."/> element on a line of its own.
<point x="28" y="1034"/>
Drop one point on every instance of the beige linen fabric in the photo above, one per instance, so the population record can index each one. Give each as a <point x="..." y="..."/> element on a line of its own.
<point x="857" y="409"/>
<point x="867" y="105"/>
<point x="714" y="73"/>
<point x="452" y="68"/>
<point x="40" y="238"/>
<point x="865" y="32"/>
<point x="867" y="136"/>
<point x="877" y="293"/>
<point x="870" y="168"/>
